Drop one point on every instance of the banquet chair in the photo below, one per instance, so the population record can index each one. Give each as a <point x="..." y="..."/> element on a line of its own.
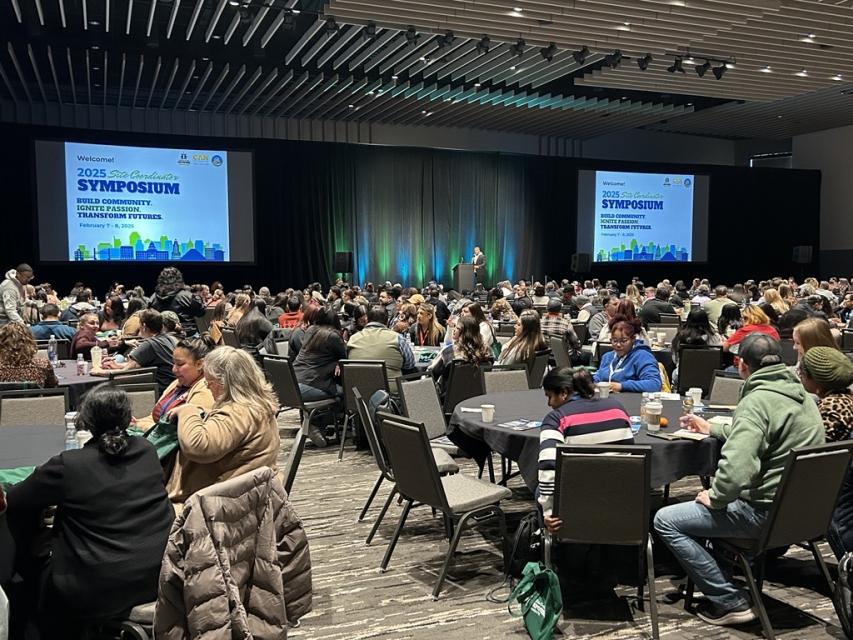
<point x="283" y="380"/>
<point x="582" y="331"/>
<point x="204" y="320"/>
<point x="560" y="352"/>
<point x="671" y="319"/>
<point x="847" y="339"/>
<point x="229" y="337"/>
<point x="696" y="367"/>
<point x="369" y="376"/>
<point x="63" y="348"/>
<point x="670" y="330"/>
<point x="499" y="380"/>
<point x="505" y="329"/>
<point x="27" y="407"/>
<point x="536" y="367"/>
<point x="462" y="500"/>
<point x="464" y="380"/>
<point x="143" y="396"/>
<point x="800" y="514"/>
<point x="127" y="376"/>
<point x="725" y="389"/>
<point x="600" y="349"/>
<point x="602" y="495"/>
<point x="444" y="463"/>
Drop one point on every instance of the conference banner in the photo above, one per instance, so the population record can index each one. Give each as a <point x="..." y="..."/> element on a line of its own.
<point x="643" y="217"/>
<point x="144" y="204"/>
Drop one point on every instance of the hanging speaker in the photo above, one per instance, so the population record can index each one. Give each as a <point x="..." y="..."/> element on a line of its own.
<point x="580" y="262"/>
<point x="343" y="262"/>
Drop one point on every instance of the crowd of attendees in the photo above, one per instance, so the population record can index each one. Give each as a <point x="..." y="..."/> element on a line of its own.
<point x="224" y="408"/>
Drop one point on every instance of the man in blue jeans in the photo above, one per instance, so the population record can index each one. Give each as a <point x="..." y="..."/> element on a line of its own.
<point x="774" y="416"/>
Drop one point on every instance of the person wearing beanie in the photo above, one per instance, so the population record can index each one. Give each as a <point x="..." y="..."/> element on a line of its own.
<point x="828" y="373"/>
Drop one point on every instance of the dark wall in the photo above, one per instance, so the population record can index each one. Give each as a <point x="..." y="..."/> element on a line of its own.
<point x="409" y="214"/>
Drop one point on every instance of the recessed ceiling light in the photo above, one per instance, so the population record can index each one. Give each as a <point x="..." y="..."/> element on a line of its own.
<point x="96" y="68"/>
<point x="689" y="104"/>
<point x="627" y="24"/>
<point x="97" y="85"/>
<point x="803" y="73"/>
<point x="217" y="37"/>
<point x="350" y="106"/>
<point x="234" y="3"/>
<point x="393" y="77"/>
<point x="517" y="9"/>
<point x="512" y="68"/>
<point x="515" y="13"/>
<point x="195" y="77"/>
<point x="624" y="97"/>
<point x="205" y="59"/>
<point x="766" y="69"/>
<point x="370" y="93"/>
<point x="837" y="77"/>
<point x="778" y="117"/>
<point x="731" y="65"/>
<point x="94" y="23"/>
<point x="188" y="92"/>
<point x="689" y="60"/>
<point x="476" y="84"/>
<point x="94" y="47"/>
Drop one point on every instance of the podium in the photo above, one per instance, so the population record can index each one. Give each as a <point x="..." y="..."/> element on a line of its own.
<point x="463" y="277"/>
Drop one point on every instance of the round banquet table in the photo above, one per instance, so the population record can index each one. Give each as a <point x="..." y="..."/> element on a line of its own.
<point x="671" y="459"/>
<point x="77" y="385"/>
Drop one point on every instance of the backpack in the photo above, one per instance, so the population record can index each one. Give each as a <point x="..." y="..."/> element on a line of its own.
<point x="526" y="544"/>
<point x="842" y="598"/>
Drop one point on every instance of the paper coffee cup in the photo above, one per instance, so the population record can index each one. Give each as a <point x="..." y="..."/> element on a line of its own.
<point x="488" y="412"/>
<point x="662" y="337"/>
<point x="603" y="389"/>
<point x="653" y="413"/>
<point x="696" y="394"/>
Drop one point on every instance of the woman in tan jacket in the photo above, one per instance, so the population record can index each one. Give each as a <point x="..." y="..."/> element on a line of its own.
<point x="239" y="434"/>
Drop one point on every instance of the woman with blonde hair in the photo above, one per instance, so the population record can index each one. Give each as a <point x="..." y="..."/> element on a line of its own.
<point x="633" y="294"/>
<point x="18" y="361"/>
<point x="239" y="434"/>
<point x="501" y="311"/>
<point x="754" y="321"/>
<point x="426" y="331"/>
<point x="772" y="297"/>
<point x="242" y="303"/>
<point x="812" y="332"/>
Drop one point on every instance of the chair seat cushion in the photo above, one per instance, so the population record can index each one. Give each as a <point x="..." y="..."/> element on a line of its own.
<point x="452" y="449"/>
<point x="465" y="493"/>
<point x="142" y="613"/>
<point x="444" y="462"/>
<point x="319" y="404"/>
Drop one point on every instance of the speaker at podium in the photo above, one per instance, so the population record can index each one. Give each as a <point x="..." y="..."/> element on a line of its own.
<point x="463" y="277"/>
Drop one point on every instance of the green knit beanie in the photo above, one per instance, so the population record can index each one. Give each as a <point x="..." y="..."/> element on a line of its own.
<point x="828" y="367"/>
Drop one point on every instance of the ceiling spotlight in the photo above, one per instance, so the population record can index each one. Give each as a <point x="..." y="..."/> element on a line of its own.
<point x="369" y="32"/>
<point x="548" y="52"/>
<point x="803" y="73"/>
<point x="701" y="69"/>
<point x="518" y="48"/>
<point x="719" y="71"/>
<point x="581" y="54"/>
<point x="612" y="60"/>
<point x="517" y="9"/>
<point x="644" y="62"/>
<point x="837" y="77"/>
<point x="331" y="25"/>
<point x="412" y="36"/>
<point x="677" y="65"/>
<point x="484" y="45"/>
<point x="234" y="3"/>
<point x="766" y="69"/>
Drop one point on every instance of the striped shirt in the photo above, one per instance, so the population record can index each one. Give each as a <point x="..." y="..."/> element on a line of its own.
<point x="579" y="421"/>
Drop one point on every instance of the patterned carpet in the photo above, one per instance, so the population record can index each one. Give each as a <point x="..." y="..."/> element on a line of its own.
<point x="354" y="601"/>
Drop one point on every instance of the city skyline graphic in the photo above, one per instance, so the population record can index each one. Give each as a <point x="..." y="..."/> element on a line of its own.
<point x="650" y="252"/>
<point x="139" y="250"/>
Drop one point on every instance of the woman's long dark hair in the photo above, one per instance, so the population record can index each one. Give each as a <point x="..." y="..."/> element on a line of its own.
<point x="573" y="381"/>
<point x="169" y="282"/>
<point x="470" y="343"/>
<point x="695" y="332"/>
<point x="730" y="317"/>
<point x="106" y="413"/>
<point x="117" y="309"/>
<point x="326" y="323"/>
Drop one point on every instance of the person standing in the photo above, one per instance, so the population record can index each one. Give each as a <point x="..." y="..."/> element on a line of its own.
<point x="12" y="296"/>
<point x="479" y="262"/>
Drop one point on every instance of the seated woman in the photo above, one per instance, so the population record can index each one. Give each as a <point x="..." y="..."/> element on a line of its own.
<point x="486" y="332"/>
<point x="695" y="332"/>
<point x="86" y="337"/>
<point x="317" y="362"/>
<point x="812" y="332"/>
<point x="253" y="328"/>
<point x="112" y="316"/>
<point x="18" y="361"/>
<point x="427" y="332"/>
<point x="631" y="366"/>
<point x="189" y="385"/>
<point x="754" y="321"/>
<point x="570" y="394"/>
<point x="239" y="434"/>
<point x="502" y="312"/>
<point x="111" y="525"/>
<point x="242" y="304"/>
<point x="828" y="373"/>
<point x="131" y="324"/>
<point x="730" y="321"/>
<point x="526" y="342"/>
<point x="467" y="346"/>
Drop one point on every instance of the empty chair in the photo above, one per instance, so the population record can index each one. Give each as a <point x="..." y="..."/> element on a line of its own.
<point x="420" y="401"/>
<point x="847" y="340"/>
<point x="443" y="462"/>
<point x="536" y="367"/>
<point x="369" y="376"/>
<point x="725" y="389"/>
<point x="560" y="352"/>
<point x="464" y="380"/>
<point x="670" y="319"/>
<point x="696" y="367"/>
<point x="505" y="329"/>
<point x="30" y="407"/>
<point x="500" y="380"/>
<point x="462" y="500"/>
<point x="63" y="348"/>
<point x="582" y="331"/>
<point x="143" y="396"/>
<point x="800" y="514"/>
<point x="229" y="338"/>
<point x="604" y="499"/>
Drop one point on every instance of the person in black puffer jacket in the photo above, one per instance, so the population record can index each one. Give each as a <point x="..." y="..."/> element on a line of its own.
<point x="172" y="294"/>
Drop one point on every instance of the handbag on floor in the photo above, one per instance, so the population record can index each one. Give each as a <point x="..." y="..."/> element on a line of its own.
<point x="540" y="601"/>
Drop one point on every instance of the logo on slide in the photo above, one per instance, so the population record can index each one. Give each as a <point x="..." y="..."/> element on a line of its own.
<point x="183" y="160"/>
<point x="216" y="161"/>
<point x="666" y="181"/>
<point x="687" y="182"/>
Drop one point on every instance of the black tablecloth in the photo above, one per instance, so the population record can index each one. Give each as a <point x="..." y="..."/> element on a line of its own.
<point x="29" y="446"/>
<point x="671" y="460"/>
<point x="77" y="385"/>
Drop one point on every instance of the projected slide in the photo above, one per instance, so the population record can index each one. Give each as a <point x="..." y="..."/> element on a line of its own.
<point x="144" y="204"/>
<point x="643" y="217"/>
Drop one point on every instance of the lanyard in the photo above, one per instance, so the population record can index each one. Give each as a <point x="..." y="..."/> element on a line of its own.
<point x="421" y="337"/>
<point x="618" y="364"/>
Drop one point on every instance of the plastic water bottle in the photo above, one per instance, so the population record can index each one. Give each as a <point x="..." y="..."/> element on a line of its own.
<point x="51" y="351"/>
<point x="643" y="402"/>
<point x="70" y="436"/>
<point x="81" y="364"/>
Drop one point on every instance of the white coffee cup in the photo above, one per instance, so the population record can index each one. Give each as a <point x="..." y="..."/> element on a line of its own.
<point x="696" y="394"/>
<point x="661" y="338"/>
<point x="83" y="437"/>
<point x="488" y="412"/>
<point x="603" y="389"/>
<point x="653" y="413"/>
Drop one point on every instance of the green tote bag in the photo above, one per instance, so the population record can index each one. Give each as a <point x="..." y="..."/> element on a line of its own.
<point x="538" y="594"/>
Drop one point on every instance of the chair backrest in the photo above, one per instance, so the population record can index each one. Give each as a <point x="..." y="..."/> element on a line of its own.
<point x="696" y="367"/>
<point x="847" y="339"/>
<point x="282" y="377"/>
<point x="725" y="389"/>
<point x="670" y="319"/>
<point x="282" y="348"/>
<point x="561" y="353"/>
<point x="421" y="402"/>
<point x="789" y="354"/>
<point x="411" y="458"/>
<point x="143" y="396"/>
<point x="203" y="321"/>
<point x="42" y="407"/>
<point x="500" y="380"/>
<point x="373" y="436"/>
<point x="807" y="493"/>
<point x="601" y="348"/>
<point x="670" y="330"/>
<point x="602" y="493"/>
<point x="582" y="331"/>
<point x="536" y="367"/>
<point x="368" y="375"/>
<point x="17" y="386"/>
<point x="464" y="381"/>
<point x="135" y="376"/>
<point x="505" y="329"/>
<point x="229" y="337"/>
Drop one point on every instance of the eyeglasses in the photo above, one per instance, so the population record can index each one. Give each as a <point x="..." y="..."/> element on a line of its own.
<point x="620" y="341"/>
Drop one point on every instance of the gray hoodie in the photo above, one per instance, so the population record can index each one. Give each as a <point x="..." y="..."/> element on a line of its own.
<point x="11" y="298"/>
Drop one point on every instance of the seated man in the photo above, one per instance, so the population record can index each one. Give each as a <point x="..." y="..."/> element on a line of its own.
<point x="377" y="342"/>
<point x="773" y="417"/>
<point x="652" y="308"/>
<point x="556" y="325"/>
<point x="51" y="326"/>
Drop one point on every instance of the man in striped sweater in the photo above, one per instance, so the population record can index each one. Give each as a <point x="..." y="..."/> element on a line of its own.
<point x="576" y="418"/>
